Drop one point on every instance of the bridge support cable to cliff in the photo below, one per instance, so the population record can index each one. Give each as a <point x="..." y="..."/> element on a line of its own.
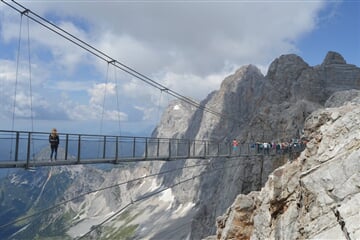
<point x="57" y="205"/>
<point x="105" y="57"/>
<point x="95" y="227"/>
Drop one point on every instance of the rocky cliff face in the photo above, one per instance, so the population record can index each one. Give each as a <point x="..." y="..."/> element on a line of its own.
<point x="265" y="108"/>
<point x="315" y="197"/>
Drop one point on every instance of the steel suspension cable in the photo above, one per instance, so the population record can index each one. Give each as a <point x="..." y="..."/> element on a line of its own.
<point x="30" y="79"/>
<point x="103" y="107"/>
<point x="104" y="98"/>
<point x="100" y="189"/>
<point x="109" y="187"/>
<point x="17" y="73"/>
<point x="16" y="83"/>
<point x="30" y="88"/>
<point x="94" y="227"/>
<point x="158" y="112"/>
<point x="117" y="101"/>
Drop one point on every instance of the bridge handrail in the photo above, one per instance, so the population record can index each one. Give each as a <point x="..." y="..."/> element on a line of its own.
<point x="140" y="145"/>
<point x="32" y="148"/>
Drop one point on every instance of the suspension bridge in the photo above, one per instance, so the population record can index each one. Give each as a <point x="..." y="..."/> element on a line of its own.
<point x="31" y="149"/>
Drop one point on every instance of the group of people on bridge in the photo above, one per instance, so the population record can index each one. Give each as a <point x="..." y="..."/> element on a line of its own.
<point x="280" y="147"/>
<point x="293" y="145"/>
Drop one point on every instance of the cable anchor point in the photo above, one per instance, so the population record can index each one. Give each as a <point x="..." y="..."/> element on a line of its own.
<point x="25" y="12"/>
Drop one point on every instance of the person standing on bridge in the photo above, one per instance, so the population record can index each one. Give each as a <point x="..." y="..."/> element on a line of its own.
<point x="235" y="145"/>
<point x="54" y="143"/>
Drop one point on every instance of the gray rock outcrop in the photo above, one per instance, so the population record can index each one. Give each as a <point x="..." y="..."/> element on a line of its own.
<point x="315" y="197"/>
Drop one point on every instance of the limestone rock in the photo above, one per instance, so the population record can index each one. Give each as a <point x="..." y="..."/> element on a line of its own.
<point x="315" y="197"/>
<point x="342" y="97"/>
<point x="238" y="223"/>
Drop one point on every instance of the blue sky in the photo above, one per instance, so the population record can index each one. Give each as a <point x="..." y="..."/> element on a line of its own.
<point x="188" y="46"/>
<point x="338" y="30"/>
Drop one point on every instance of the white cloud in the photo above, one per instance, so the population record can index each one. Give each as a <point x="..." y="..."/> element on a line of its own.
<point x="22" y="108"/>
<point x="193" y="85"/>
<point x="26" y="104"/>
<point x="7" y="72"/>
<point x="70" y="86"/>
<point x="128" y="49"/>
<point x="156" y="36"/>
<point x="90" y="111"/>
<point x="95" y="108"/>
<point x="148" y="113"/>
<point x="15" y="83"/>
<point x="99" y="91"/>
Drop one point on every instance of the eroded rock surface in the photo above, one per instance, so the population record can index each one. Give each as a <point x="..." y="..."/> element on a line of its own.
<point x="315" y="197"/>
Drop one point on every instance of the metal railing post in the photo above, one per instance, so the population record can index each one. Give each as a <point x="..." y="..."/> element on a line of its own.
<point x="169" y="147"/>
<point x="28" y="151"/>
<point x="158" y="147"/>
<point x="189" y="148"/>
<point x="230" y="150"/>
<point x="204" y="155"/>
<point x="134" y="142"/>
<point x="66" y="145"/>
<point x="78" y="150"/>
<point x="146" y="148"/>
<point x="17" y="146"/>
<point x="116" y="149"/>
<point x="104" y="148"/>
<point x="177" y="147"/>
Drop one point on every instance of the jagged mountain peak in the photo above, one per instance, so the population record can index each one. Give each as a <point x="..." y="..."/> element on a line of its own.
<point x="286" y="67"/>
<point x="333" y="58"/>
<point x="241" y="74"/>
